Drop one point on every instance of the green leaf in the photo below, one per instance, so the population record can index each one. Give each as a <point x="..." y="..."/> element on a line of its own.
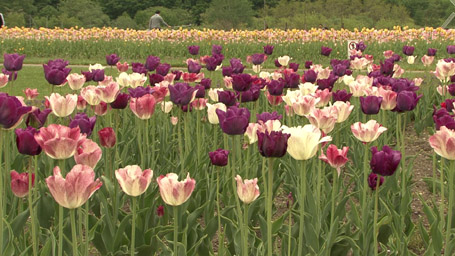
<point x="120" y="232"/>
<point x="17" y="225"/>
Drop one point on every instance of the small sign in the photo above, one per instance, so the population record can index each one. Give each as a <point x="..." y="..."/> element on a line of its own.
<point x="352" y="45"/>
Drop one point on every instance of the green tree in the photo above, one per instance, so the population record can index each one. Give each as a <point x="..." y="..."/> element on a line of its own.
<point x="228" y="14"/>
<point x="88" y="12"/>
<point x="124" y="21"/>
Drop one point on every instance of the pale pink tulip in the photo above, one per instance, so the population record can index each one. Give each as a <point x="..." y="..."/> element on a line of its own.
<point x="388" y="54"/>
<point x="427" y="60"/>
<point x="136" y="80"/>
<point x="107" y="80"/>
<point x="100" y="109"/>
<point x="143" y="107"/>
<point x="76" y="189"/>
<point x="58" y="141"/>
<point x="303" y="105"/>
<point x="3" y="80"/>
<point x="166" y="106"/>
<point x="227" y="82"/>
<point x="75" y="81"/>
<point x="199" y="103"/>
<point x="169" y="78"/>
<point x="335" y="157"/>
<point x="30" y="94"/>
<point x="62" y="106"/>
<point x="247" y="190"/>
<point x="81" y="103"/>
<point x="132" y="180"/>
<point x="88" y="153"/>
<point x="418" y="81"/>
<point x="367" y="132"/>
<point x="359" y="63"/>
<point x="20" y="182"/>
<point x="284" y="60"/>
<point x="389" y="98"/>
<point x="109" y="92"/>
<point x="174" y="192"/>
<point x="443" y="143"/>
<point x="444" y="70"/>
<point x="174" y="120"/>
<point x="323" y="119"/>
<point x="398" y="71"/>
<point x="343" y="110"/>
<point x="324" y="97"/>
<point x="91" y="94"/>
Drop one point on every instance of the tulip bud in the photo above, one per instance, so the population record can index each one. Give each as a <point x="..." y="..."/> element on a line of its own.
<point x="107" y="137"/>
<point x="20" y="183"/>
<point x="219" y="157"/>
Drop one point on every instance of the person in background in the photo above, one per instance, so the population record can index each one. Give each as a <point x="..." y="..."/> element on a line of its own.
<point x="156" y="21"/>
<point x="2" y="20"/>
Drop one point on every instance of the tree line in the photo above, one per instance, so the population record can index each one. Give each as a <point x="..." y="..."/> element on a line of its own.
<point x="222" y="14"/>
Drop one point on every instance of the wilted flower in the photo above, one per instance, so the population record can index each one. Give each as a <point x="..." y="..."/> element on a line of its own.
<point x="373" y="179"/>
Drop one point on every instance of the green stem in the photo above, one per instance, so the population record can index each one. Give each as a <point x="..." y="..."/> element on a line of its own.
<point x="86" y="227"/>
<point x="318" y="193"/>
<point x="269" y="205"/>
<point x="198" y="136"/>
<point x="334" y="195"/>
<point x="290" y="228"/>
<point x="179" y="133"/>
<point x="375" y="227"/>
<point x="441" y="206"/>
<point x="434" y="175"/>
<point x="220" y="237"/>
<point x="30" y="209"/>
<point x="73" y="231"/>
<point x="302" y="206"/>
<point x="176" y="229"/>
<point x="364" y="198"/>
<point x="245" y="227"/>
<point x="152" y="145"/>
<point x="140" y="143"/>
<point x="133" y="226"/>
<point x="237" y="202"/>
<point x="60" y="230"/>
<point x="186" y="138"/>
<point x="147" y="144"/>
<point x="449" y="213"/>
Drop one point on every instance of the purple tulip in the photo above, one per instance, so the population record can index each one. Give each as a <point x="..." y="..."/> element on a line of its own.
<point x="336" y="62"/>
<point x="258" y="58"/>
<point x="277" y="63"/>
<point x="218" y="58"/>
<point x="339" y="70"/>
<point x="451" y="49"/>
<point x="266" y="116"/>
<point x="373" y="179"/>
<point x="11" y="111"/>
<point x="341" y="95"/>
<point x="327" y="83"/>
<point x="206" y="82"/>
<point x="121" y="101"/>
<point x="291" y="80"/>
<point x="216" y="49"/>
<point x="395" y="58"/>
<point x="88" y="75"/>
<point x="234" y="121"/>
<point x="387" y="67"/>
<point x="55" y="71"/>
<point x="310" y="76"/>
<point x="431" y="52"/>
<point x="275" y="87"/>
<point x="268" y="49"/>
<point x="407" y="101"/>
<point x="37" y="118"/>
<point x="403" y="84"/>
<point x="98" y="75"/>
<point x="308" y="64"/>
<point x="177" y="73"/>
<point x="226" y="71"/>
<point x="219" y="157"/>
<point x="386" y="161"/>
<point x="370" y="104"/>
<point x="452" y="89"/>
<point x="139" y="68"/>
<point x="13" y="62"/>
<point x="139" y="91"/>
<point x="152" y="62"/>
<point x="227" y="98"/>
<point x="408" y="50"/>
<point x="200" y="91"/>
<point x="273" y="144"/>
<point x="294" y="66"/>
<point x="193" y="49"/>
<point x="360" y="46"/>
<point x="112" y="59"/>
<point x="241" y="82"/>
<point x="163" y="69"/>
<point x="210" y="63"/>
<point x="442" y="117"/>
<point x="236" y="65"/>
<point x="181" y="93"/>
<point x="325" y="50"/>
<point x="84" y="123"/>
<point x="448" y="104"/>
<point x="58" y="63"/>
<point x="250" y="95"/>
<point x="155" y="79"/>
<point x="12" y="76"/>
<point x="26" y="143"/>
<point x="194" y="67"/>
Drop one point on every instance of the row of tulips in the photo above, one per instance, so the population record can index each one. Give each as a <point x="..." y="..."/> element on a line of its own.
<point x="318" y="222"/>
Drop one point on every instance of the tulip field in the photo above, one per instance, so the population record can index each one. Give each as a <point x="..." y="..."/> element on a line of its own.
<point x="186" y="142"/>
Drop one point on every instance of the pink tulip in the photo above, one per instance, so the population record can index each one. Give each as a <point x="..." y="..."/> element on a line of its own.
<point x="88" y="153"/>
<point x="323" y="119"/>
<point x="20" y="182"/>
<point x="247" y="190"/>
<point x="122" y="67"/>
<point x="100" y="109"/>
<point x="443" y="143"/>
<point x="107" y="80"/>
<point x="174" y="192"/>
<point x="81" y="103"/>
<point x="303" y="105"/>
<point x="58" y="141"/>
<point x="3" y="80"/>
<point x="227" y="82"/>
<point x="174" y="120"/>
<point x="62" y="106"/>
<point x="76" y="189"/>
<point x="343" y="110"/>
<point x="389" y="98"/>
<point x="91" y="94"/>
<point x="199" y="104"/>
<point x="273" y="100"/>
<point x="75" y="81"/>
<point x="107" y="137"/>
<point x="132" y="180"/>
<point x="324" y="97"/>
<point x="143" y="107"/>
<point x="108" y="93"/>
<point x="367" y="132"/>
<point x="335" y="157"/>
<point x="427" y="60"/>
<point x="31" y="93"/>
<point x="388" y="54"/>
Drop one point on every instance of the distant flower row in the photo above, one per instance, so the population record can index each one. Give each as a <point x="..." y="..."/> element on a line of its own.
<point x="270" y="35"/>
